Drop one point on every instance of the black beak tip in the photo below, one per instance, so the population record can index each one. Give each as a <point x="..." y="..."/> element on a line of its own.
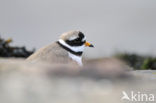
<point x="91" y="46"/>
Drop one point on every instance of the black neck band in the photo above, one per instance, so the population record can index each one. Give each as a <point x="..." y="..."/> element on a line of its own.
<point x="68" y="49"/>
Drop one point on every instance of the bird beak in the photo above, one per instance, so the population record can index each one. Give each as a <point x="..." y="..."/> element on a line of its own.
<point x="87" y="44"/>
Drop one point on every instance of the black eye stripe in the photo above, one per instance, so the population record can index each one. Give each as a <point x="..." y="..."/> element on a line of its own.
<point x="81" y="35"/>
<point x="78" y="41"/>
<point x="75" y="43"/>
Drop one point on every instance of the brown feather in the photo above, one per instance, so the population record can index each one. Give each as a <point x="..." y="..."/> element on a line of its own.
<point x="52" y="53"/>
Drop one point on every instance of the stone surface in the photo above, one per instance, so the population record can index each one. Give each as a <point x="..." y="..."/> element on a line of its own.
<point x="100" y="81"/>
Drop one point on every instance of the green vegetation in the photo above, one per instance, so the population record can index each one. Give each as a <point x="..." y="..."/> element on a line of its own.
<point x="138" y="62"/>
<point x="9" y="51"/>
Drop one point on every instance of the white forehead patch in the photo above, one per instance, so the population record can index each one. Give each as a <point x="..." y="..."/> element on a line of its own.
<point x="72" y="38"/>
<point x="84" y="39"/>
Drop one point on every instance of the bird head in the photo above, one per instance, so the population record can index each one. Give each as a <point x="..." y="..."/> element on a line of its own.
<point x="75" y="39"/>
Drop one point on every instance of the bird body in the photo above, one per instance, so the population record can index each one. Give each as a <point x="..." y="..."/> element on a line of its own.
<point x="68" y="49"/>
<point x="51" y="53"/>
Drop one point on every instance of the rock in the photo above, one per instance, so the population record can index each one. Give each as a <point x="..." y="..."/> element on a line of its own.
<point x="23" y="82"/>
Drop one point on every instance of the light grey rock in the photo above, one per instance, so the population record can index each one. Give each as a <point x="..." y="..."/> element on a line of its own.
<point x="23" y="82"/>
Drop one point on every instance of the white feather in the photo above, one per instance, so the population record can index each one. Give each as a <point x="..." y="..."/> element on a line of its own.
<point x="84" y="39"/>
<point x="78" y="59"/>
<point x="74" y="48"/>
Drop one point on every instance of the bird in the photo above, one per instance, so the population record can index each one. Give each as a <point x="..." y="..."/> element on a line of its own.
<point x="68" y="48"/>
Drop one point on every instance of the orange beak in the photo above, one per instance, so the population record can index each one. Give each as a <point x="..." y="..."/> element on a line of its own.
<point x="87" y="44"/>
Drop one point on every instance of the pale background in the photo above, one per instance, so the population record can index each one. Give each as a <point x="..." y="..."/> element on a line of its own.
<point x="111" y="25"/>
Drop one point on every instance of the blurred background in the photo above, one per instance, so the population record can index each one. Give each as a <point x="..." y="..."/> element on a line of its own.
<point x="111" y="25"/>
<point x="125" y="29"/>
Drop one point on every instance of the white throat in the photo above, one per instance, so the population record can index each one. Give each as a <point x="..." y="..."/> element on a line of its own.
<point x="76" y="58"/>
<point x="73" y="48"/>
